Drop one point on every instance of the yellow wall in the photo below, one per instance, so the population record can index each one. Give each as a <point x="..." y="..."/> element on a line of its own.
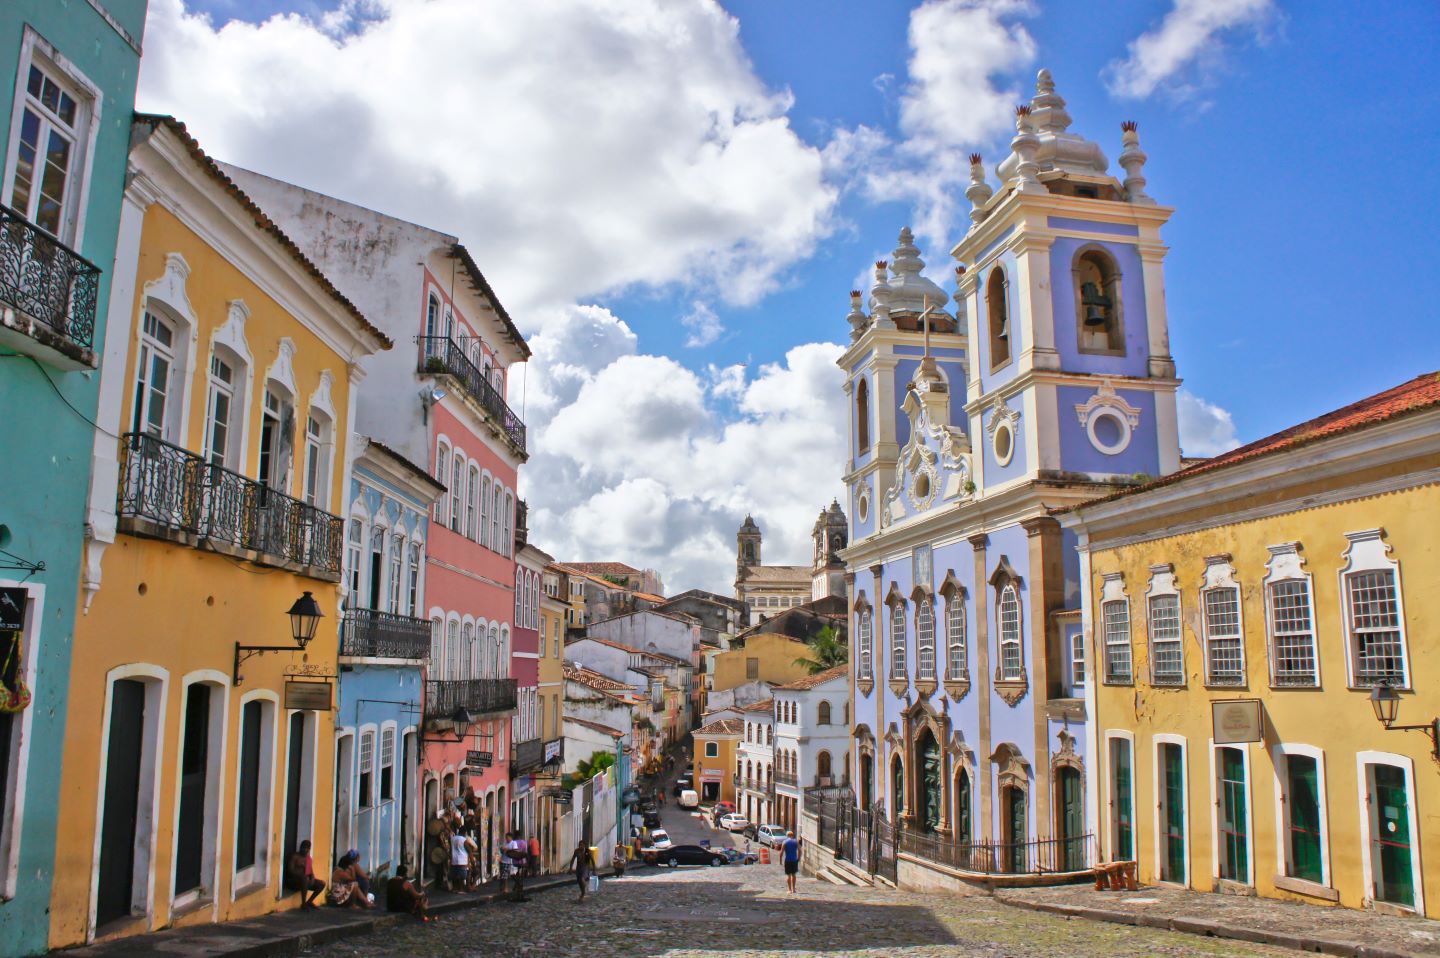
<point x="551" y="668"/>
<point x="180" y="611"/>
<point x="724" y="763"/>
<point x="776" y="654"/>
<point x="1335" y="719"/>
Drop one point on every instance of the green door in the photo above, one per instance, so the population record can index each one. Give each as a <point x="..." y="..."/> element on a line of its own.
<point x="1173" y="761"/>
<point x="1234" y="836"/>
<point x="1072" y="822"/>
<point x="1013" y="859"/>
<point x="1122" y="800"/>
<point x="962" y="807"/>
<point x="928" y="786"/>
<point x="1394" y="881"/>
<point x="1303" y="798"/>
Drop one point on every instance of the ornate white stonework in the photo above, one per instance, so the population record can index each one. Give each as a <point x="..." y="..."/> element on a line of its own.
<point x="1106" y="402"/>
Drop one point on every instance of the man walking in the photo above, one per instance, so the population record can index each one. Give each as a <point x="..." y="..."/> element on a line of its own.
<point x="792" y="859"/>
<point x="517" y="850"/>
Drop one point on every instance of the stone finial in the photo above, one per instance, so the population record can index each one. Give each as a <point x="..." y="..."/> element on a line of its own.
<point x="857" y="318"/>
<point x="1024" y="146"/>
<point x="959" y="298"/>
<point x="1048" y="107"/>
<point x="880" y="296"/>
<point x="1044" y="82"/>
<point x="1132" y="159"/>
<point x="979" y="192"/>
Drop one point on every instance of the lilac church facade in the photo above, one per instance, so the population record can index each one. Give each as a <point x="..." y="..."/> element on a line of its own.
<point x="1044" y="380"/>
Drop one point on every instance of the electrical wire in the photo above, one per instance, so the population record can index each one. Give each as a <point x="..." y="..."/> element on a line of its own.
<point x="46" y="376"/>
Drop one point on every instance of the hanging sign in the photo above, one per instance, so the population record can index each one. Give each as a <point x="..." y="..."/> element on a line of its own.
<point x="12" y="608"/>
<point x="1236" y="721"/>
<point x="309" y="696"/>
<point x="554" y="749"/>
<point x="479" y="759"/>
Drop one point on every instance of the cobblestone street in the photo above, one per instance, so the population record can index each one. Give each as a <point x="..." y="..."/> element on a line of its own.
<point x="745" y="911"/>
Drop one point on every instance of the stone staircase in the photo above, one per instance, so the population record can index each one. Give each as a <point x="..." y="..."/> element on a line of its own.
<point x="841" y="872"/>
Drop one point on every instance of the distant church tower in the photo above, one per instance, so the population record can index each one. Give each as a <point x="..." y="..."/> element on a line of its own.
<point x="747" y="545"/>
<point x="831" y="535"/>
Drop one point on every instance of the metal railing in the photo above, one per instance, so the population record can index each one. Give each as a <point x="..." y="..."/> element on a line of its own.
<point x="176" y="491"/>
<point x="45" y="279"/>
<point x="444" y="697"/>
<point x="384" y="635"/>
<point x="1041" y="857"/>
<point x="526" y="756"/>
<point x="441" y="354"/>
<point x="788" y="779"/>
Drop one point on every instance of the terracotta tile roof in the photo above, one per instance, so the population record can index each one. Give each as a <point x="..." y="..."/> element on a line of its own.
<point x="776" y="573"/>
<point x="605" y="568"/>
<point x="407" y="465"/>
<point x="482" y="286"/>
<point x="819" y="678"/>
<point x="648" y="596"/>
<point x="612" y="732"/>
<point x="764" y="705"/>
<point x="1422" y="392"/>
<point x="595" y="680"/>
<point x="212" y="169"/>
<point x="729" y="726"/>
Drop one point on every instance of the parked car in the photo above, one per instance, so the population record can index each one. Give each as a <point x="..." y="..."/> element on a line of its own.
<point x="651" y="819"/>
<point x="771" y="835"/>
<point x="734" y="822"/>
<point x="689" y="799"/>
<point x="681" y="783"/>
<point x="689" y="855"/>
<point x="737" y="857"/>
<point x="724" y="808"/>
<point x="660" y="839"/>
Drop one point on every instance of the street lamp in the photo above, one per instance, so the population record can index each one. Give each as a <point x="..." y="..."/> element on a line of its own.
<point x="1386" y="703"/>
<point x="305" y="616"/>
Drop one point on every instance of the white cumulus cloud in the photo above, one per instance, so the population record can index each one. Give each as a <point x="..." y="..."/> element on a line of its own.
<point x="1180" y="52"/>
<point x="1205" y="428"/>
<point x="705" y="327"/>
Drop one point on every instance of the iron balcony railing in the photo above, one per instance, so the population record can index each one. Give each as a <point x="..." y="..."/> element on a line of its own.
<point x="441" y="354"/>
<point x="170" y="492"/>
<point x="370" y="633"/>
<point x="445" y="697"/>
<point x="788" y="779"/>
<point x="1042" y="857"/>
<point x="46" y="280"/>
<point x="527" y="756"/>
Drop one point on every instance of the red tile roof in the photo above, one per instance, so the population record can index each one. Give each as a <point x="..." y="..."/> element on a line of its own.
<point x="1422" y="392"/>
<point x="612" y="732"/>
<point x="819" y="678"/>
<point x="729" y="726"/>
<point x="605" y="568"/>
<point x="764" y="705"/>
<point x="595" y="680"/>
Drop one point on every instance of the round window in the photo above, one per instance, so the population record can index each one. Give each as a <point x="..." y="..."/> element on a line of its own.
<point x="863" y="510"/>
<point x="922" y="486"/>
<point x="1003" y="444"/>
<point x="1109" y="432"/>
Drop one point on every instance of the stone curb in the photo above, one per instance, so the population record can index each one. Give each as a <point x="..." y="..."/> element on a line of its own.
<point x="1212" y="929"/>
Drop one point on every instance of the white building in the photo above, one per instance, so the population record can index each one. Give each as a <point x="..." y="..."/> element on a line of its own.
<point x="755" y="763"/>
<point x="812" y="738"/>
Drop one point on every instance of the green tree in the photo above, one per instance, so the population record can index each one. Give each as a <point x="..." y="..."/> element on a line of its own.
<point x="827" y="650"/>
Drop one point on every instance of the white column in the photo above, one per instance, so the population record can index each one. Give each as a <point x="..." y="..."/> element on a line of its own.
<point x="1152" y="260"/>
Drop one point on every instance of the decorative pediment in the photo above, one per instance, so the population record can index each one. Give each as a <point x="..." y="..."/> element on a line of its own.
<point x="1065" y="755"/>
<point x="934" y="462"/>
<point x="1003" y="414"/>
<point x="1106" y="398"/>
<point x="1014" y="768"/>
<point x="893" y="737"/>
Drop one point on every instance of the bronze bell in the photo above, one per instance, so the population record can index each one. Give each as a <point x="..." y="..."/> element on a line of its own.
<point x="1096" y="304"/>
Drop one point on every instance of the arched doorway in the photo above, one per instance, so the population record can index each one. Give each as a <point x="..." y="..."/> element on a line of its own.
<point x="897" y="788"/>
<point x="1070" y="813"/>
<point x="822" y="768"/>
<point x="1013" y="830"/>
<point x="927" y="781"/>
<point x="962" y="822"/>
<point x="867" y="781"/>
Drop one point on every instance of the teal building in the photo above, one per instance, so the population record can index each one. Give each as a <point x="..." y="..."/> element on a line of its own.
<point x="68" y="70"/>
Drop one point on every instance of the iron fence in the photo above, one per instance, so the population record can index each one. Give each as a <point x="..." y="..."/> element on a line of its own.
<point x="1040" y="857"/>
<point x="441" y="354"/>
<point x="384" y="635"/>
<point x="445" y="697"/>
<point x="45" y="279"/>
<point x="174" y="490"/>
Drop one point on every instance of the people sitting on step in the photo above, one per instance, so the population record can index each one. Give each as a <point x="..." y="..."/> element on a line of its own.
<point x="300" y="876"/>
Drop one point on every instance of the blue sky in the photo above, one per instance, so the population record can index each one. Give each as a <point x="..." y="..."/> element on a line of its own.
<point x="1292" y="140"/>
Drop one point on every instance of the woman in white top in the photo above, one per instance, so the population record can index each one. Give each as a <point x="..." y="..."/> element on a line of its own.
<point x="459" y="862"/>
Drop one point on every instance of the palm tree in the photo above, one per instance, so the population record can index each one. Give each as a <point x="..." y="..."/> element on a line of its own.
<point x="827" y="650"/>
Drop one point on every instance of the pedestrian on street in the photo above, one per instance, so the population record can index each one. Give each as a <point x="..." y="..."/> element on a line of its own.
<point x="792" y="859"/>
<point x="516" y="851"/>
<point x="300" y="876"/>
<point x="460" y="846"/>
<point x="581" y="863"/>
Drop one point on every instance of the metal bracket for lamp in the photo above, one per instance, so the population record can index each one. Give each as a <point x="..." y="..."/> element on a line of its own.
<point x="1386" y="703"/>
<point x="304" y="615"/>
<point x="462" y="717"/>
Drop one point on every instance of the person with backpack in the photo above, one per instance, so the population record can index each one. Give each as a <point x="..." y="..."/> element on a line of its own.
<point x="517" y="852"/>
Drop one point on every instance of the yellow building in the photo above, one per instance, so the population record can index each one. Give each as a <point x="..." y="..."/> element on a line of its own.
<point x="1244" y="618"/>
<point x="759" y="656"/>
<point x="554" y="605"/>
<point x="196" y="764"/>
<point x="714" y="771"/>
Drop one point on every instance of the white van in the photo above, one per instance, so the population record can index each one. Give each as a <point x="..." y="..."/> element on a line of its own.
<point x="689" y="798"/>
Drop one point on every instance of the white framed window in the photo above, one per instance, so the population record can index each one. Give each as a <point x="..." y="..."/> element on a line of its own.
<point x="457" y="492"/>
<point x="498" y="499"/>
<point x="317" y="460"/>
<point x="925" y="639"/>
<point x="397" y="562"/>
<point x="442" y="466"/>
<point x="1012" y="662"/>
<point x="254" y="786"/>
<point x="153" y="374"/>
<point x="366" y="796"/>
<point x="454" y="669"/>
<point x="354" y="559"/>
<point x="519" y="594"/>
<point x="1373" y="612"/>
<point x="219" y="411"/>
<point x="1077" y="663"/>
<point x="387" y="765"/>
<point x="1224" y="627"/>
<point x="897" y="641"/>
<point x="472" y="505"/>
<point x="1162" y="613"/>
<point x="957" y="654"/>
<point x="1115" y="621"/>
<point x="1290" y="618"/>
<point x="437" y="648"/>
<point x="1301" y="813"/>
<point x="484" y="539"/>
<point x="712" y="749"/>
<point x="376" y="570"/>
<point x="412" y="606"/>
<point x="507" y="540"/>
<point x="866" y="642"/>
<point x="56" y="111"/>
<point x="275" y="442"/>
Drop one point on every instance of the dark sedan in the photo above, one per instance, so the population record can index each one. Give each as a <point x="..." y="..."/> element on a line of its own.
<point x="686" y="855"/>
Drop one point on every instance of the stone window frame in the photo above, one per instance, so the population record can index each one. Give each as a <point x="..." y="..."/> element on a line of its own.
<point x="923" y="600"/>
<point x="957" y="684"/>
<point x="1011" y="688"/>
<point x="1367" y="551"/>
<point x="864" y="644"/>
<point x="897" y="613"/>
<point x="1112" y="288"/>
<point x="1113" y="594"/>
<point x="1006" y="330"/>
<point x="1219" y="576"/>
<point x="1163" y="583"/>
<point x="1285" y="565"/>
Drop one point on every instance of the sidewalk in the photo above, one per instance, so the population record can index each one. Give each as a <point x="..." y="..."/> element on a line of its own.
<point x="1313" y="928"/>
<point x="289" y="932"/>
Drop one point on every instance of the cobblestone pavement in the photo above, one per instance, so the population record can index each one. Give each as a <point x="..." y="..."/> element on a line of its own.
<point x="745" y="911"/>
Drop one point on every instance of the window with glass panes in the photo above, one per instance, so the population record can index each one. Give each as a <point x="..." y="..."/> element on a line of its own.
<point x="367" y="768"/>
<point x="1292" y="636"/>
<point x="273" y="426"/>
<point x="1234" y="833"/>
<point x="955" y="638"/>
<point x="1302" y="814"/>
<point x="314" y="461"/>
<point x="1377" y="646"/>
<point x="412" y="604"/>
<point x="866" y="645"/>
<point x="217" y="412"/>
<point x="1117" y="640"/>
<point x="47" y="153"/>
<point x="387" y="765"/>
<point x="457" y="491"/>
<point x="397" y="561"/>
<point x="1011" y="662"/>
<point x="354" y="559"/>
<point x="1077" y="662"/>
<point x="152" y="376"/>
<point x="1224" y="651"/>
<point x="1122" y="801"/>
<point x="925" y="639"/>
<point x="472" y="505"/>
<point x="897" y="641"/>
<point x="1167" y="656"/>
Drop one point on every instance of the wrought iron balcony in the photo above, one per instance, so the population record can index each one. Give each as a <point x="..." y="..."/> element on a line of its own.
<point x="527" y="756"/>
<point x="52" y="288"/>
<point x="370" y="633"/>
<point x="479" y="697"/>
<point x="789" y="780"/>
<point x="441" y="354"/>
<point x="167" y="492"/>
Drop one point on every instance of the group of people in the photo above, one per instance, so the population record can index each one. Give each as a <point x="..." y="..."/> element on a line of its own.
<point x="350" y="885"/>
